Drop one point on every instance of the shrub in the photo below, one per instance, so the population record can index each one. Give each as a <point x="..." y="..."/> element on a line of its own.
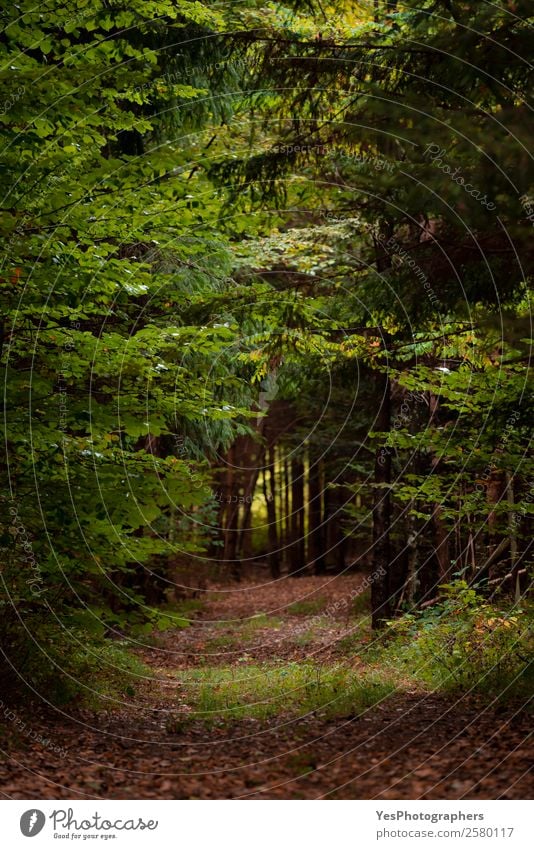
<point x="465" y="643"/>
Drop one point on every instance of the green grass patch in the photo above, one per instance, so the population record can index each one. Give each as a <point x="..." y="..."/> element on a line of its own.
<point x="226" y="693"/>
<point x="226" y="641"/>
<point x="65" y="665"/>
<point x="306" y="608"/>
<point x="117" y="673"/>
<point x="302" y="763"/>
<point x="361" y="603"/>
<point x="186" y="608"/>
<point x="242" y="632"/>
<point x="259" y="622"/>
<point x="93" y="673"/>
<point x="304" y="638"/>
<point x="251" y="624"/>
<point x="351" y="644"/>
<point x="312" y="633"/>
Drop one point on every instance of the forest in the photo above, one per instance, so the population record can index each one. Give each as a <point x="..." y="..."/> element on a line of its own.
<point x="267" y="482"/>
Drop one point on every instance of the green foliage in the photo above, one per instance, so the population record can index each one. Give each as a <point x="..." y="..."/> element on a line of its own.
<point x="74" y="664"/>
<point x="464" y="643"/>
<point x="109" y="334"/>
<point x="143" y="303"/>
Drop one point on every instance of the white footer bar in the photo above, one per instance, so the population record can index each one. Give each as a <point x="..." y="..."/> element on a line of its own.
<point x="267" y="824"/>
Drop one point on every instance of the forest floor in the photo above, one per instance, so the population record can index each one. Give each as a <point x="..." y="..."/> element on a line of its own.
<point x="290" y="710"/>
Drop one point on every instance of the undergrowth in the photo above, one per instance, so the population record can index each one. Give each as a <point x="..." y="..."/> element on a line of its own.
<point x="67" y="667"/>
<point x="464" y="643"/>
<point x="227" y="693"/>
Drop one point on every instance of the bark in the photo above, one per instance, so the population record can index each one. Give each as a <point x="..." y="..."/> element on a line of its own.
<point x="316" y="528"/>
<point x="287" y="515"/>
<point x="514" y="562"/>
<point x="495" y="493"/>
<point x="269" y="491"/>
<point x="496" y="555"/>
<point x="255" y="461"/>
<point x="232" y="518"/>
<point x="441" y="545"/>
<point x="380" y="588"/>
<point x="335" y="541"/>
<point x="297" y="560"/>
<point x="441" y="536"/>
<point x="412" y="581"/>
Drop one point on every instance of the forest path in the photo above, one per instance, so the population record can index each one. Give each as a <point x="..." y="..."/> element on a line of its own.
<point x="149" y="744"/>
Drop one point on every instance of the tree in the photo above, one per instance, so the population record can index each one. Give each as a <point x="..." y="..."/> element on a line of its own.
<point x="112" y="400"/>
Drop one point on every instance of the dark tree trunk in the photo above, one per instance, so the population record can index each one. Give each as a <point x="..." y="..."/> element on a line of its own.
<point x="441" y="545"/>
<point x="316" y="528"/>
<point x="269" y="491"/>
<point x="438" y="526"/>
<point x="327" y="520"/>
<point x="287" y="516"/>
<point x="412" y="546"/>
<point x="297" y="559"/>
<point x="380" y="588"/>
<point x="255" y="458"/>
<point x="333" y="533"/>
<point x="232" y="518"/>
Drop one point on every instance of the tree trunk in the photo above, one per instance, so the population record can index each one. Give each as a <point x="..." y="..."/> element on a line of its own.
<point x="298" y="560"/>
<point x="287" y="516"/>
<point x="441" y="537"/>
<point x="380" y="588"/>
<point x="269" y="491"/>
<point x="441" y="545"/>
<point x="514" y="562"/>
<point x="412" y="580"/>
<point x="315" y="530"/>
<point x="335" y="541"/>
<point x="244" y="547"/>
<point x="232" y="518"/>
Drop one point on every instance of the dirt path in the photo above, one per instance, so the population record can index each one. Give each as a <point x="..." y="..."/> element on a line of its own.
<point x="411" y="745"/>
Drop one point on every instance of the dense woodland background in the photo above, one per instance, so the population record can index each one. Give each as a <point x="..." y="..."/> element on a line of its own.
<point x="265" y="286"/>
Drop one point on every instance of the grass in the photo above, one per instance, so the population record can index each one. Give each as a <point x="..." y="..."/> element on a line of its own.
<point x="305" y="637"/>
<point x="362" y="603"/>
<point x="117" y="674"/>
<point x="244" y="633"/>
<point x="69" y="665"/>
<point x="259" y="621"/>
<point x="302" y="764"/>
<point x="251" y="624"/>
<point x="185" y="608"/>
<point x="95" y="675"/>
<point x="313" y="633"/>
<point x="351" y="644"/>
<point x="306" y="608"/>
<point x="226" y="693"/>
<point x="227" y="641"/>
